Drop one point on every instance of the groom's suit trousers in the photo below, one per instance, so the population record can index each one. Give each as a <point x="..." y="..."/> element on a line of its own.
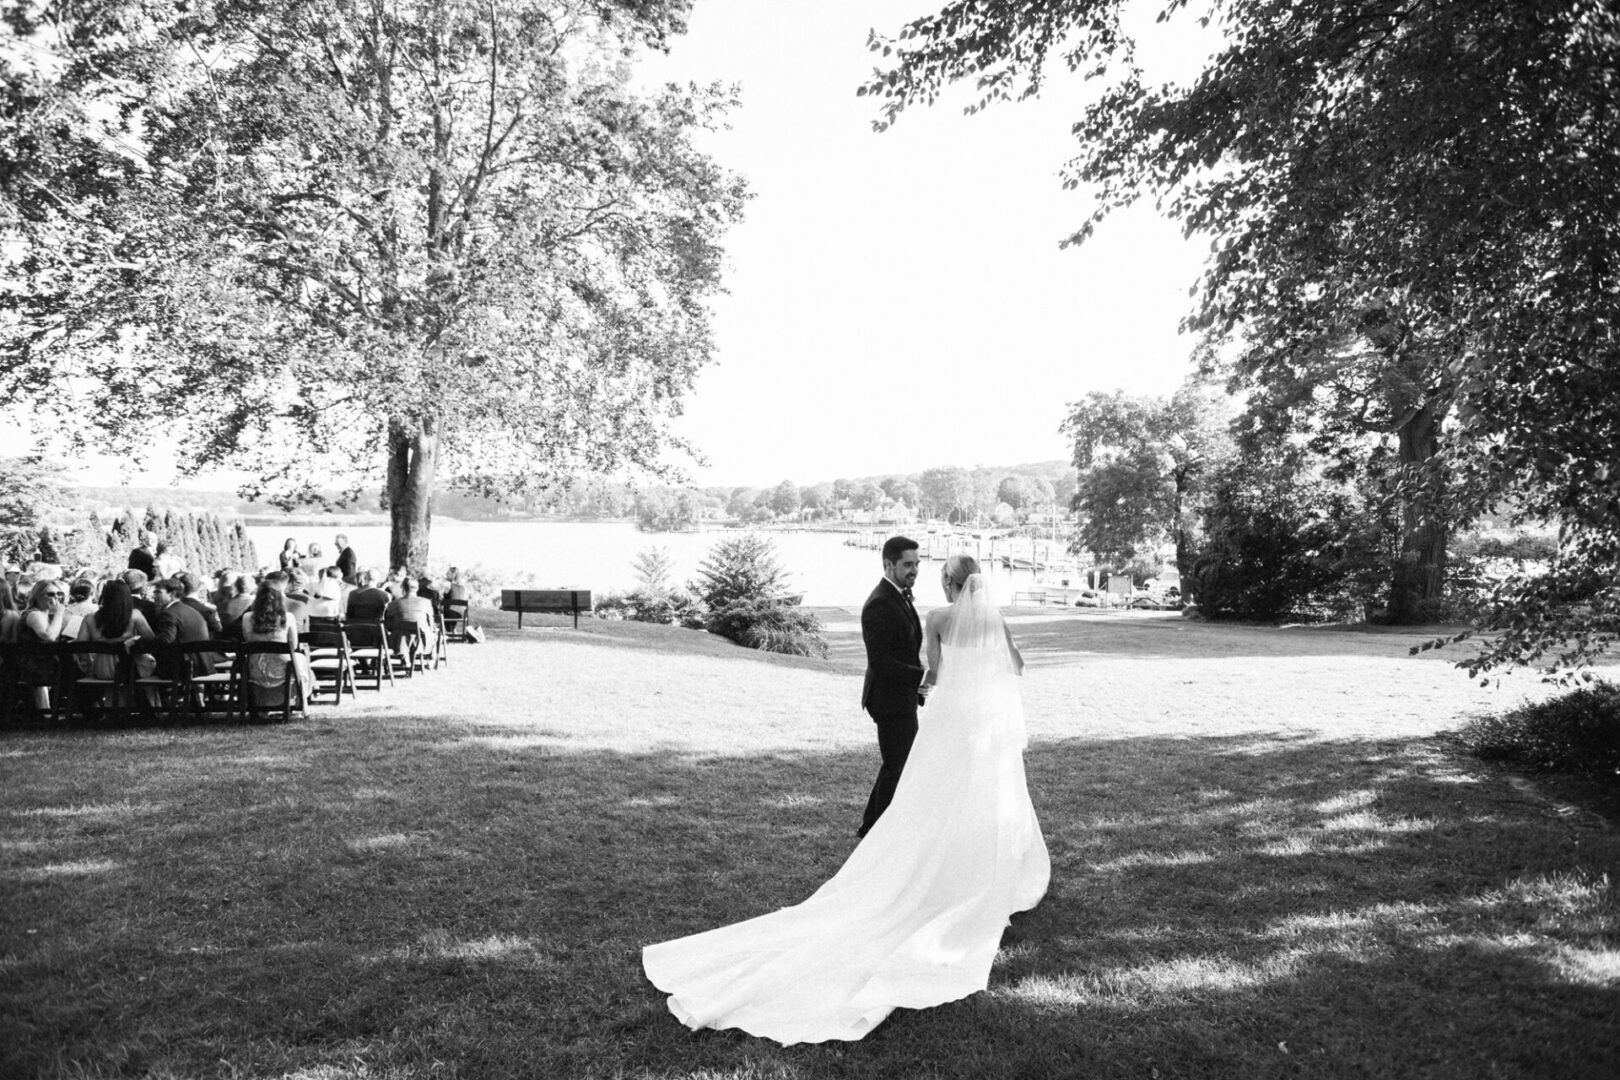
<point x="895" y="732"/>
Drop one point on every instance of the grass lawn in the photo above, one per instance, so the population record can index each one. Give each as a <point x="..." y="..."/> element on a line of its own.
<point x="1266" y="863"/>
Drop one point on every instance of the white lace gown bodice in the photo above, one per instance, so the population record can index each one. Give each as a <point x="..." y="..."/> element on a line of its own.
<point x="915" y="916"/>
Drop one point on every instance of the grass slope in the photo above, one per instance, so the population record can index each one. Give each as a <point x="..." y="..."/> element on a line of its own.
<point x="1265" y="865"/>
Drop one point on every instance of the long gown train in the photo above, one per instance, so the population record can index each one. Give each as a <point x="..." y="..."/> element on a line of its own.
<point x="915" y="915"/>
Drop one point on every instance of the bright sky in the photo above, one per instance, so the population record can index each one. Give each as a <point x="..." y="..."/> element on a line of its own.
<point x="898" y="300"/>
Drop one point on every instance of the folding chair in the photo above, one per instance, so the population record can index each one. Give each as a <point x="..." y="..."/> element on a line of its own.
<point x="205" y="675"/>
<point x="454" y="621"/>
<point x="329" y="656"/>
<point x="368" y="645"/>
<point x="441" y="654"/>
<point x="254" y="700"/>
<point x="26" y="666"/>
<point x="156" y="693"/>
<point x="93" y="696"/>
<point x="404" y="644"/>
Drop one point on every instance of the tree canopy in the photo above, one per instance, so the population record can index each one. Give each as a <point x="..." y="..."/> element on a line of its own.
<point x="1139" y="462"/>
<point x="439" y="239"/>
<point x="1413" y="210"/>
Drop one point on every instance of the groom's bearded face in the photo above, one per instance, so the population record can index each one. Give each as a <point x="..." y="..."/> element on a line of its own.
<point x="903" y="571"/>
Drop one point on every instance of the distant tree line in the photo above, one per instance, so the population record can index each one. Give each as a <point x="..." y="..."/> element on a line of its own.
<point x="42" y="520"/>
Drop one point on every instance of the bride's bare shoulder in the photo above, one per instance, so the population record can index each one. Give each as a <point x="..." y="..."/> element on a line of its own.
<point x="938" y="619"/>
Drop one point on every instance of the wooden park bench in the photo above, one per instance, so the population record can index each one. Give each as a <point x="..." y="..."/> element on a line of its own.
<point x="546" y="602"/>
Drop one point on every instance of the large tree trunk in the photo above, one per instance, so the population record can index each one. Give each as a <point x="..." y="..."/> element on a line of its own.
<point x="1420" y="570"/>
<point x="413" y="459"/>
<point x="1184" y="551"/>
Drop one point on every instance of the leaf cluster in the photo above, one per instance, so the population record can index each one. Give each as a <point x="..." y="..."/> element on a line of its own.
<point x="345" y="222"/>
<point x="1412" y="207"/>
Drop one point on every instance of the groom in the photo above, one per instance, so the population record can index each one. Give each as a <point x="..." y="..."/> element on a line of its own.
<point x="893" y="637"/>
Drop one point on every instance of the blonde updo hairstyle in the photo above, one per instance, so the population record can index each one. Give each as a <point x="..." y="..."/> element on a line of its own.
<point x="958" y="568"/>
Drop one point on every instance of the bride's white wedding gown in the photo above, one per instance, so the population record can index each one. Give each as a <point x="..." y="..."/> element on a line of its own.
<point x="914" y="917"/>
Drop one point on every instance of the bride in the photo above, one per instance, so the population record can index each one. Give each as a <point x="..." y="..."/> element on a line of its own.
<point x="914" y="917"/>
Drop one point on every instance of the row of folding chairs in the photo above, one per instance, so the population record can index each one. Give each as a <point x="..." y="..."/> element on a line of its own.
<point x="204" y="679"/>
<point x="191" y="680"/>
<point x="346" y="656"/>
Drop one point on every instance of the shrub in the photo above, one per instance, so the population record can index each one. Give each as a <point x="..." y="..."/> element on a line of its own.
<point x="1576" y="732"/>
<point x="652" y="568"/>
<point x="770" y="626"/>
<point x="1280" y="542"/>
<point x="670" y="608"/>
<point x="739" y="568"/>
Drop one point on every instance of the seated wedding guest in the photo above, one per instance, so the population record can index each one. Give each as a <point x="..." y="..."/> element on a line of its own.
<point x="44" y="619"/>
<point x="298" y="586"/>
<point x="331" y="585"/>
<point x="141" y="557"/>
<point x="326" y="598"/>
<point x="411" y="608"/>
<point x="236" y="605"/>
<point x="224" y="578"/>
<point x="367" y="603"/>
<point x="394" y="584"/>
<point x="116" y="620"/>
<point x="425" y="589"/>
<point x="268" y="620"/>
<point x="13" y="585"/>
<point x="169" y="562"/>
<point x="81" y="602"/>
<point x="290" y="555"/>
<point x="139" y="588"/>
<point x="179" y="622"/>
<point x="348" y="563"/>
<point x="453" y="588"/>
<point x="10" y="613"/>
<point x="190" y="596"/>
<point x="297" y="610"/>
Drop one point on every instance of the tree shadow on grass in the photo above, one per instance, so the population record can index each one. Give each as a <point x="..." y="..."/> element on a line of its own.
<point x="1253" y="906"/>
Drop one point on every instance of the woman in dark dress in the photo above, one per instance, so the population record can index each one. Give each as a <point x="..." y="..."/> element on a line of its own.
<point x="44" y="619"/>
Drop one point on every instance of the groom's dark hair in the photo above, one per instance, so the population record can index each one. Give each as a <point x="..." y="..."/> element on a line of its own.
<point x="896" y="546"/>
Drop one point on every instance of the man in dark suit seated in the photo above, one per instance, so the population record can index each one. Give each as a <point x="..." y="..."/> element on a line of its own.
<point x="191" y="588"/>
<point x="140" y="594"/>
<point x="178" y="622"/>
<point x="367" y="603"/>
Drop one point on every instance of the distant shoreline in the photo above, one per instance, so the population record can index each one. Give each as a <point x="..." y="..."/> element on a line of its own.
<point x="380" y="521"/>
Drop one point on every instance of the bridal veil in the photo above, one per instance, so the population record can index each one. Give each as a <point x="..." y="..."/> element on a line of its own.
<point x="914" y="917"/>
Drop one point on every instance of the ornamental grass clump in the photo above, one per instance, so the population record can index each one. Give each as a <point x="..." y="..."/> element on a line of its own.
<point x="1577" y="732"/>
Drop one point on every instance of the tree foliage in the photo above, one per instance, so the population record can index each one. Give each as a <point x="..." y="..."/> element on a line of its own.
<point x="1431" y="187"/>
<point x="1139" y="463"/>
<point x="434" y="240"/>
<point x="664" y="509"/>
<point x="945" y="488"/>
<point x="1278" y="540"/>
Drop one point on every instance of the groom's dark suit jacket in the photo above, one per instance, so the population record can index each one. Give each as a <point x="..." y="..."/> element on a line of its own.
<point x="893" y="636"/>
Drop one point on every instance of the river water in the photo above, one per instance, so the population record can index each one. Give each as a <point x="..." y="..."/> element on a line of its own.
<point x="600" y="556"/>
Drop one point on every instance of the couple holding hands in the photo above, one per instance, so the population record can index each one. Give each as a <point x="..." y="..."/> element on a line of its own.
<point x="950" y="846"/>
